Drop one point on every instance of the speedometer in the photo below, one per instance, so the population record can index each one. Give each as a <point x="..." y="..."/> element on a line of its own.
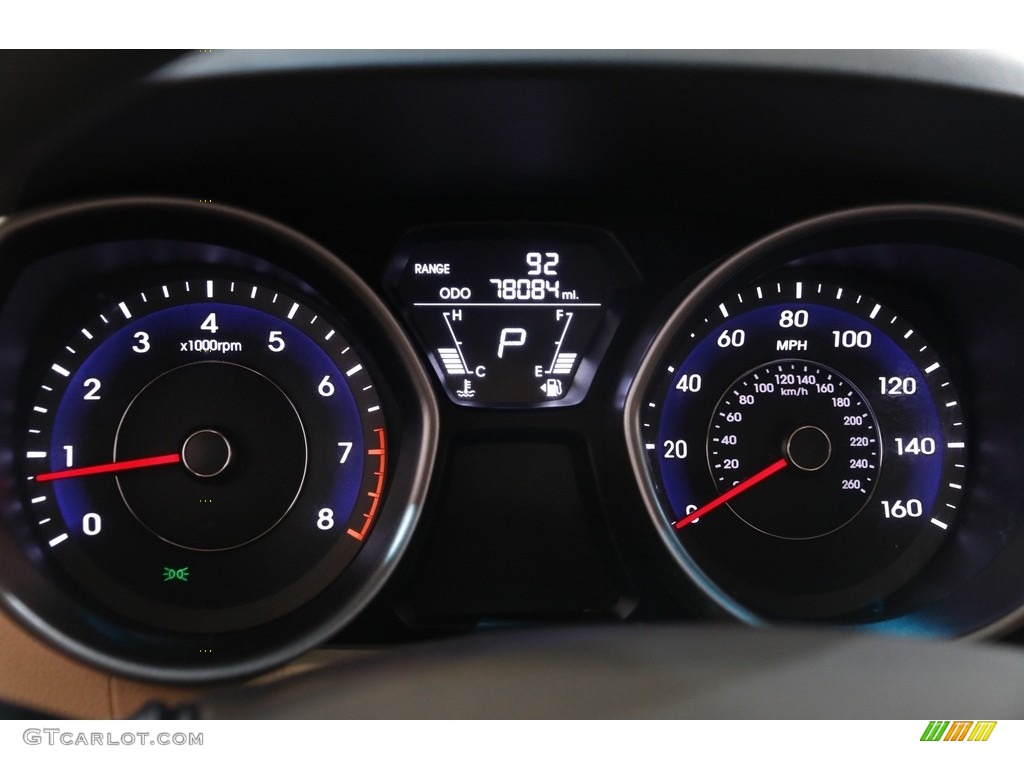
<point x="806" y="448"/>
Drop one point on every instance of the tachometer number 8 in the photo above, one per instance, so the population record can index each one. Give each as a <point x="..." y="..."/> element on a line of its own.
<point x="325" y="519"/>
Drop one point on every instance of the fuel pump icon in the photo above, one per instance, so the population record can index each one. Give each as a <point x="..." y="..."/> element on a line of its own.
<point x="552" y="388"/>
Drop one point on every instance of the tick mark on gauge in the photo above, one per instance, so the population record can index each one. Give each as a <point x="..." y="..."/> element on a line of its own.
<point x="61" y="370"/>
<point x="58" y="540"/>
<point x="293" y="310"/>
<point x="939" y="523"/>
<point x="124" y="310"/>
<point x="353" y="370"/>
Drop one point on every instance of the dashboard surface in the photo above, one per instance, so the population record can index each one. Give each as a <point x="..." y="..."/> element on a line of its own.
<point x="526" y="253"/>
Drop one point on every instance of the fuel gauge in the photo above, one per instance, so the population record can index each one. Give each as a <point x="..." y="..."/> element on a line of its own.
<point x="511" y="316"/>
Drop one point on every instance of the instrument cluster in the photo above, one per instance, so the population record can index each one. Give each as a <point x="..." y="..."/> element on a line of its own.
<point x="221" y="444"/>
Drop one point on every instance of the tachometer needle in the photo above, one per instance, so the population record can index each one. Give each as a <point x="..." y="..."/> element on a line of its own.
<point x="733" y="492"/>
<point x="114" y="466"/>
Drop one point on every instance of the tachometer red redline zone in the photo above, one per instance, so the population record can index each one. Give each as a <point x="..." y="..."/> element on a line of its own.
<point x="368" y="517"/>
<point x="733" y="492"/>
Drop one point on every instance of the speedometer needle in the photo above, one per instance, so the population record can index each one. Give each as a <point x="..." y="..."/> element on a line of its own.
<point x="733" y="492"/>
<point x="114" y="466"/>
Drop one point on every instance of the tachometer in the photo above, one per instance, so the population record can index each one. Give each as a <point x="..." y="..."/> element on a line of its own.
<point x="213" y="465"/>
<point x="805" y="446"/>
<point x="205" y="440"/>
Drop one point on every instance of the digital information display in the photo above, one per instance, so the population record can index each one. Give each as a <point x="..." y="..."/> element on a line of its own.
<point x="511" y="316"/>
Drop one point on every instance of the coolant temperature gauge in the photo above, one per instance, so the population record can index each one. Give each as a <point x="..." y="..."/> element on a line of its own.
<point x="511" y="316"/>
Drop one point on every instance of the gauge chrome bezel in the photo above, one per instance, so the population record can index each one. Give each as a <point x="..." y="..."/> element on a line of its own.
<point x="957" y="611"/>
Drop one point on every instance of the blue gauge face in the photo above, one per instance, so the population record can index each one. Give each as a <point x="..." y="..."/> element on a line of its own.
<point x="807" y="450"/>
<point x="199" y="442"/>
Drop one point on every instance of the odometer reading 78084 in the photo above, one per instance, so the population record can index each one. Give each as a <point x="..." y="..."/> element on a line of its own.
<point x="509" y="317"/>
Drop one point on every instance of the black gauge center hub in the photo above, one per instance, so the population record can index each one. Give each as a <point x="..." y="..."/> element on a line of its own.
<point x="206" y="453"/>
<point x="809" y="448"/>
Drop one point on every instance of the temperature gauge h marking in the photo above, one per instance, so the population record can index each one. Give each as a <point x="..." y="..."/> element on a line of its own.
<point x="451" y="357"/>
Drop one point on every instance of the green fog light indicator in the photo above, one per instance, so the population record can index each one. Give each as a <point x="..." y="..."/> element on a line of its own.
<point x="175" y="574"/>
